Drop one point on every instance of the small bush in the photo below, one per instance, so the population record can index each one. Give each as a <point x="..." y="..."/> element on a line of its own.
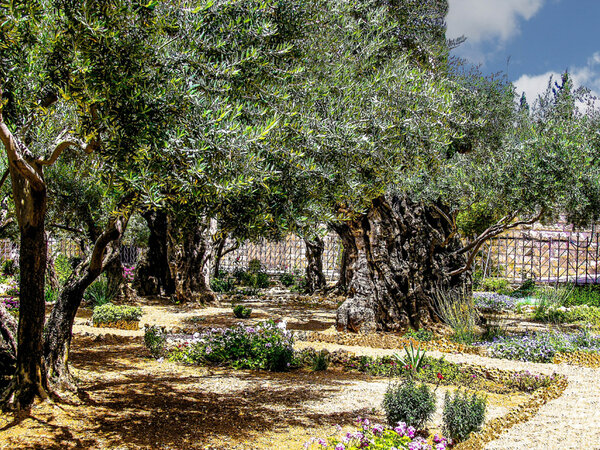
<point x="9" y="267"/>
<point x="463" y="414"/>
<point x="99" y="293"/>
<point x="51" y="295"/>
<point x="498" y="285"/>
<point x="409" y="403"/>
<point x="287" y="279"/>
<point x="421" y="334"/>
<point x="525" y="290"/>
<point x="265" y="346"/>
<point x="254" y="266"/>
<point x="222" y="285"/>
<point x="109" y="313"/>
<point x="457" y="309"/>
<point x="241" y="312"/>
<point x="155" y="341"/>
<point x="320" y="361"/>
<point x="493" y="302"/>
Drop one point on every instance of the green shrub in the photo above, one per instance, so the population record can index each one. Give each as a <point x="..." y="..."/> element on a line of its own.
<point x="583" y="295"/>
<point x="457" y="309"/>
<point x="99" y="293"/>
<point x="109" y="313"/>
<point x="254" y="266"/>
<point x="409" y="403"/>
<point x="463" y="414"/>
<point x="499" y="285"/>
<point x="155" y="341"/>
<point x="320" y="361"/>
<point x="262" y="280"/>
<point x="222" y="284"/>
<point x="241" y="312"/>
<point x="264" y="346"/>
<point x="51" y="295"/>
<point x="526" y="289"/>
<point x="63" y="268"/>
<point x="421" y="334"/>
<point x="287" y="279"/>
<point x="9" y="267"/>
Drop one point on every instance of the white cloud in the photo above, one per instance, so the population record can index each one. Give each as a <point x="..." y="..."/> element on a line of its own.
<point x="534" y="85"/>
<point x="587" y="76"/>
<point x="481" y="20"/>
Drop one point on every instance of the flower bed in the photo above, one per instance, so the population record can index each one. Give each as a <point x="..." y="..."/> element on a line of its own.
<point x="264" y="346"/>
<point x="542" y="347"/>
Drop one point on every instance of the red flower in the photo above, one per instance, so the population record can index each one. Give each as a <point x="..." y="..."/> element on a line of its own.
<point x="440" y="376"/>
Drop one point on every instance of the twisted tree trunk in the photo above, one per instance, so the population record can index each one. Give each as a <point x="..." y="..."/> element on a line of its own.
<point x="8" y="346"/>
<point x="348" y="257"/>
<point x="193" y="260"/>
<point x="315" y="278"/>
<point x="404" y="254"/>
<point x="153" y="273"/>
<point x="59" y="329"/>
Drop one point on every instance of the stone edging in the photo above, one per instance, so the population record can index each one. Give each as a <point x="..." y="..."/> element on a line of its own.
<point x="519" y="414"/>
<point x="586" y="359"/>
<point x="386" y="341"/>
<point x="121" y="324"/>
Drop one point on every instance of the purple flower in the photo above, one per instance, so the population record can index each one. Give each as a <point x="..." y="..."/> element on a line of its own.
<point x="340" y="446"/>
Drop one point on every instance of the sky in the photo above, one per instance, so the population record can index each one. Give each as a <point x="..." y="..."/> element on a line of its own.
<point x="530" y="40"/>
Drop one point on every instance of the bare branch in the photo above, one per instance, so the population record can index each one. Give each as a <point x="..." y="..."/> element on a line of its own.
<point x="66" y="228"/>
<point x="66" y="142"/>
<point x="492" y="231"/>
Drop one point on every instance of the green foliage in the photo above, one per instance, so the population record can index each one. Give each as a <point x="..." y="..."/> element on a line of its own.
<point x="320" y="360"/>
<point x="457" y="310"/>
<point x="413" y="360"/>
<point x="287" y="279"/>
<point x="410" y="403"/>
<point x="155" y="341"/>
<point x="526" y="289"/>
<point x="264" y="346"/>
<point x="463" y="414"/>
<point x="241" y="311"/>
<point x="574" y="314"/>
<point x="254" y="266"/>
<point x="109" y="313"/>
<point x="99" y="293"/>
<point x="222" y="285"/>
<point x="51" y="295"/>
<point x="476" y="219"/>
<point x="421" y="334"/>
<point x="63" y="268"/>
<point x="498" y="285"/>
<point x="583" y="295"/>
<point x="9" y="267"/>
<point x="528" y="382"/>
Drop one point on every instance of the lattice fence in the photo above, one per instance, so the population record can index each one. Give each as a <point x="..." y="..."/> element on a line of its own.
<point x="546" y="256"/>
<point x="286" y="256"/>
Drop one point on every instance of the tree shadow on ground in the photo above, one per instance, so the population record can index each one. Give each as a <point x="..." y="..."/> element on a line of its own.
<point x="134" y="400"/>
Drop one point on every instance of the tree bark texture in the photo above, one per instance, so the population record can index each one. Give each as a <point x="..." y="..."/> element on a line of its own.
<point x="348" y="257"/>
<point x="402" y="255"/>
<point x="8" y="346"/>
<point x="315" y="278"/>
<point x="30" y="375"/>
<point x="193" y="258"/>
<point x="153" y="273"/>
<point x="59" y="330"/>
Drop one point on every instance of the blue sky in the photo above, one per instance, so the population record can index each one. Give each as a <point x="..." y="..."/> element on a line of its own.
<point x="530" y="39"/>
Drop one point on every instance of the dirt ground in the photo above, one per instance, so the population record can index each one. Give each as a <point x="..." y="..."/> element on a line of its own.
<point x="127" y="400"/>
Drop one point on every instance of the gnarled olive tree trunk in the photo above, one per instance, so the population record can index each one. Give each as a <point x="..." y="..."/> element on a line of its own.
<point x="59" y="329"/>
<point x="153" y="273"/>
<point x="315" y="278"/>
<point x="348" y="256"/>
<point x="192" y="260"/>
<point x="404" y="252"/>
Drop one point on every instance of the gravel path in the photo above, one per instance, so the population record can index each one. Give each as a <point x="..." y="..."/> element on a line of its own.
<point x="571" y="421"/>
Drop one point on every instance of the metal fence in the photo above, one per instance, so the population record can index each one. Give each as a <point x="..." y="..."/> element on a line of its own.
<point x="287" y="255"/>
<point x="544" y="255"/>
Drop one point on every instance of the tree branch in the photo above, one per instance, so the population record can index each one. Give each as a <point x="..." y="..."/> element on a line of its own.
<point x="14" y="150"/>
<point x="66" y="228"/>
<point x="64" y="143"/>
<point x="489" y="233"/>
